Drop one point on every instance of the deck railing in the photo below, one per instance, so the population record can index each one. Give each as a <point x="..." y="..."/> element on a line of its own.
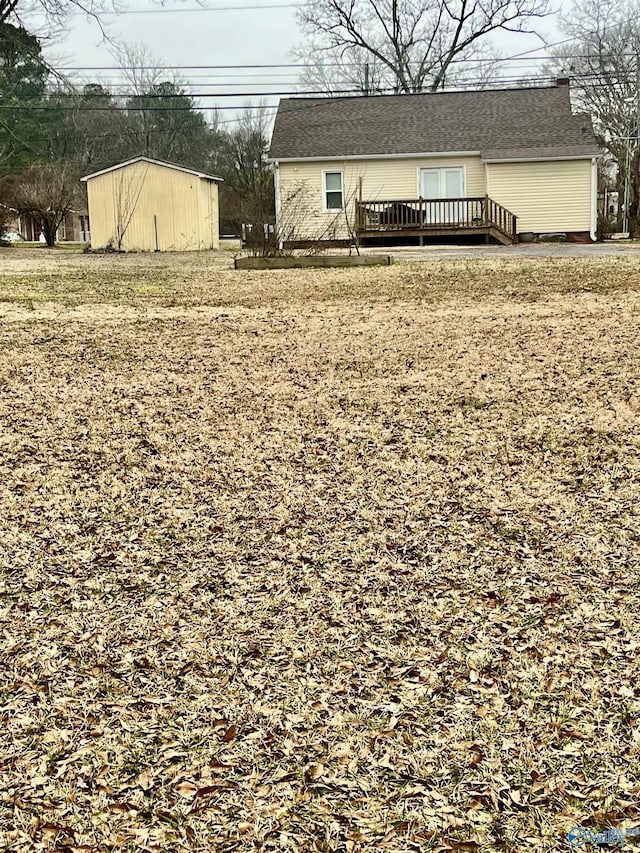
<point x="429" y="213"/>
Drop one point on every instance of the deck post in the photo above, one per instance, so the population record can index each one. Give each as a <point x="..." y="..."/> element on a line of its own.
<point x="486" y="209"/>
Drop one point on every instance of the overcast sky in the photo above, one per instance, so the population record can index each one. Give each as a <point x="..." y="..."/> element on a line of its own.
<point x="217" y="35"/>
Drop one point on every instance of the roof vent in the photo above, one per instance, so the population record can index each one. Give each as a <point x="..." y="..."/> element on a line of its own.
<point x="562" y="81"/>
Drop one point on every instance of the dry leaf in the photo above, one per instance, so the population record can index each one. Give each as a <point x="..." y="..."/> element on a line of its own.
<point x="187" y="789"/>
<point x="145" y="780"/>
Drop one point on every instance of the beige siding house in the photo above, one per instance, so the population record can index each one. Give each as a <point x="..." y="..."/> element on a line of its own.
<point x="503" y="164"/>
<point x="147" y="205"/>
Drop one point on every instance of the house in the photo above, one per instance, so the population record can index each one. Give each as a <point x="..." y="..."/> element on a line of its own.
<point x="74" y="228"/>
<point x="502" y="163"/>
<point x="148" y="205"/>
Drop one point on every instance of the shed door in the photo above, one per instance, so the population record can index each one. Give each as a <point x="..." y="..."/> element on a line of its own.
<point x="442" y="184"/>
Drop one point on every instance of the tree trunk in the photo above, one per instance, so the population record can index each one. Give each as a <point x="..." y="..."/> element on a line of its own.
<point x="634" y="206"/>
<point x="633" y="216"/>
<point x="620" y="207"/>
<point x="49" y="231"/>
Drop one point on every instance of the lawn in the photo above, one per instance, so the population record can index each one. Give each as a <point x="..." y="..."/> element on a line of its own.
<point x="339" y="560"/>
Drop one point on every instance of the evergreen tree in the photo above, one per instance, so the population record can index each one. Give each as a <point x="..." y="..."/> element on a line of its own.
<point x="23" y="79"/>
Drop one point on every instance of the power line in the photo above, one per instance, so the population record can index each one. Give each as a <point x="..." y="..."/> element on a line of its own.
<point x="504" y="81"/>
<point x="501" y="81"/>
<point x="136" y="107"/>
<point x="318" y="93"/>
<point x="575" y="39"/>
<point x="324" y="100"/>
<point x="115" y="109"/>
<point x="318" y="65"/>
<point x="267" y="111"/>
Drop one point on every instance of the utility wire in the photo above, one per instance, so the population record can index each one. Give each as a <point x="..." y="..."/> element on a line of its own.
<point x="320" y="99"/>
<point x="307" y="65"/>
<point x="316" y="102"/>
<point x="527" y="55"/>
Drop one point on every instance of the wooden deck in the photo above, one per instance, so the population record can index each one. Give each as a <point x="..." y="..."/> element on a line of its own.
<point x="424" y="217"/>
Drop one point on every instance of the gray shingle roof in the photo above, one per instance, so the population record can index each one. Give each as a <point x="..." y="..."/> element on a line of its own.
<point x="537" y="121"/>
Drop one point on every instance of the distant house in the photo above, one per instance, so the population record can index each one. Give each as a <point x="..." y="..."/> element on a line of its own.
<point x="149" y="205"/>
<point x="502" y="163"/>
<point x="73" y="229"/>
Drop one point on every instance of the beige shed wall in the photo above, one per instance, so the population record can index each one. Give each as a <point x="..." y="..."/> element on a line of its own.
<point x="185" y="209"/>
<point x="301" y="189"/>
<point x="547" y="196"/>
<point x="210" y="214"/>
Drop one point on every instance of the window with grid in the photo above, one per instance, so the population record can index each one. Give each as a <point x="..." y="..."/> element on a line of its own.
<point x="333" y="190"/>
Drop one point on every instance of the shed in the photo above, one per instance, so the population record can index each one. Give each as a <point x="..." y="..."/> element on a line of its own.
<point x="149" y="205"/>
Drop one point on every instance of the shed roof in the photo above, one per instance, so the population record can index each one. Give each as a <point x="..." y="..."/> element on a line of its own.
<point x="156" y="163"/>
<point x="535" y="120"/>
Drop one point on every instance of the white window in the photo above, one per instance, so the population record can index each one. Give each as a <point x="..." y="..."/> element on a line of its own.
<point x="333" y="191"/>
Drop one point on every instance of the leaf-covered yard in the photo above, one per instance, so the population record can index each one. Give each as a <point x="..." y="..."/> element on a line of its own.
<point x="317" y="560"/>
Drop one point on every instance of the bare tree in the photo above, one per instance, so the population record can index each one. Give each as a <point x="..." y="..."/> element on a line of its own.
<point x="300" y="226"/>
<point x="247" y="194"/>
<point x="53" y="14"/>
<point x="335" y="75"/>
<point x="415" y="42"/>
<point x="127" y="195"/>
<point x="141" y="71"/>
<point x="140" y="67"/>
<point x="55" y="10"/>
<point x="6" y="217"/>
<point x="604" y="64"/>
<point x="161" y="119"/>
<point x="47" y="193"/>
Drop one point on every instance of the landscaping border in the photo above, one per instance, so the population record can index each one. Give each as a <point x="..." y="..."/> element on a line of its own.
<point x="312" y="261"/>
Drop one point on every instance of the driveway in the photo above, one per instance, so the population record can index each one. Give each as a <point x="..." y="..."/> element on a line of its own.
<point x="613" y="249"/>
